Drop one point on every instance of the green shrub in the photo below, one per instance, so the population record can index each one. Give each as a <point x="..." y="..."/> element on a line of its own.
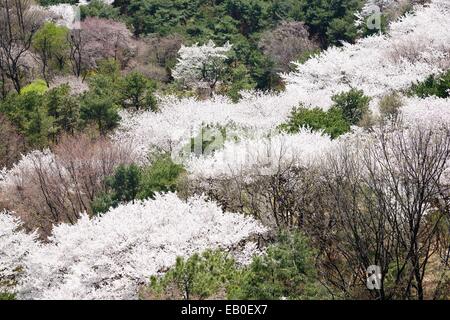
<point x="43" y="117"/>
<point x="129" y="182"/>
<point x="99" y="106"/>
<point x="38" y="86"/>
<point x="239" y="80"/>
<point x="161" y="176"/>
<point x="136" y="92"/>
<point x="332" y="122"/>
<point x="28" y="112"/>
<point x="354" y="104"/>
<point x="287" y="270"/>
<point x="7" y="296"/>
<point x="103" y="202"/>
<point x="438" y="86"/>
<point x="199" y="277"/>
<point x="125" y="183"/>
<point x="123" y="186"/>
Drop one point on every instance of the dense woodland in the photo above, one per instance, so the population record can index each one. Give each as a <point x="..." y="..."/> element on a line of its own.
<point x="224" y="149"/>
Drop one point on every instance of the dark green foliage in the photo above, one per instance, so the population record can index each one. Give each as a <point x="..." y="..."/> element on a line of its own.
<point x="162" y="176"/>
<point x="64" y="108"/>
<point x="264" y="71"/>
<point x="136" y="92"/>
<point x="29" y="114"/>
<point x="251" y="14"/>
<point x="160" y="16"/>
<point x="438" y="86"/>
<point x="43" y="115"/>
<point x="239" y="80"/>
<point x="98" y="8"/>
<point x="199" y="277"/>
<point x="103" y="202"/>
<point x="123" y="186"/>
<point x="125" y="183"/>
<point x="99" y="105"/>
<point x="341" y="30"/>
<point x="131" y="182"/>
<point x="331" y="21"/>
<point x="287" y="270"/>
<point x="332" y="122"/>
<point x="354" y="104"/>
<point x="7" y="296"/>
<point x="101" y="111"/>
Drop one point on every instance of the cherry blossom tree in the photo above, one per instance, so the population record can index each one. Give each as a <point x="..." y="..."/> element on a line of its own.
<point x="377" y="65"/>
<point x="200" y="66"/>
<point x="109" y="256"/>
<point x="15" y="245"/>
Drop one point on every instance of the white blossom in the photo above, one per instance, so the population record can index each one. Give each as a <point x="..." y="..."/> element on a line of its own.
<point x="17" y="175"/>
<point x="15" y="245"/>
<point x="265" y="155"/>
<point x="201" y="66"/>
<point x="417" y="46"/>
<point x="109" y="256"/>
<point x="431" y="111"/>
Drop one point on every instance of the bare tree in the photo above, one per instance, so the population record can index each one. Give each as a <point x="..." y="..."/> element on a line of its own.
<point x="382" y="198"/>
<point x="99" y="39"/>
<point x="46" y="192"/>
<point x="387" y="202"/>
<point x="12" y="144"/>
<point x="77" y="54"/>
<point x="155" y="56"/>
<point x="18" y="23"/>
<point x="287" y="43"/>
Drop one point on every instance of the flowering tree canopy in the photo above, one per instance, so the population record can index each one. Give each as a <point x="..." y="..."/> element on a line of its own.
<point x="200" y="66"/>
<point x="107" y="257"/>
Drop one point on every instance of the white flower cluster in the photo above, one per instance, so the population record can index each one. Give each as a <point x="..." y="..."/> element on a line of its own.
<point x="15" y="246"/>
<point x="17" y="175"/>
<point x="431" y="111"/>
<point x="261" y="155"/>
<point x="417" y="46"/>
<point x="109" y="256"/>
<point x="199" y="66"/>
